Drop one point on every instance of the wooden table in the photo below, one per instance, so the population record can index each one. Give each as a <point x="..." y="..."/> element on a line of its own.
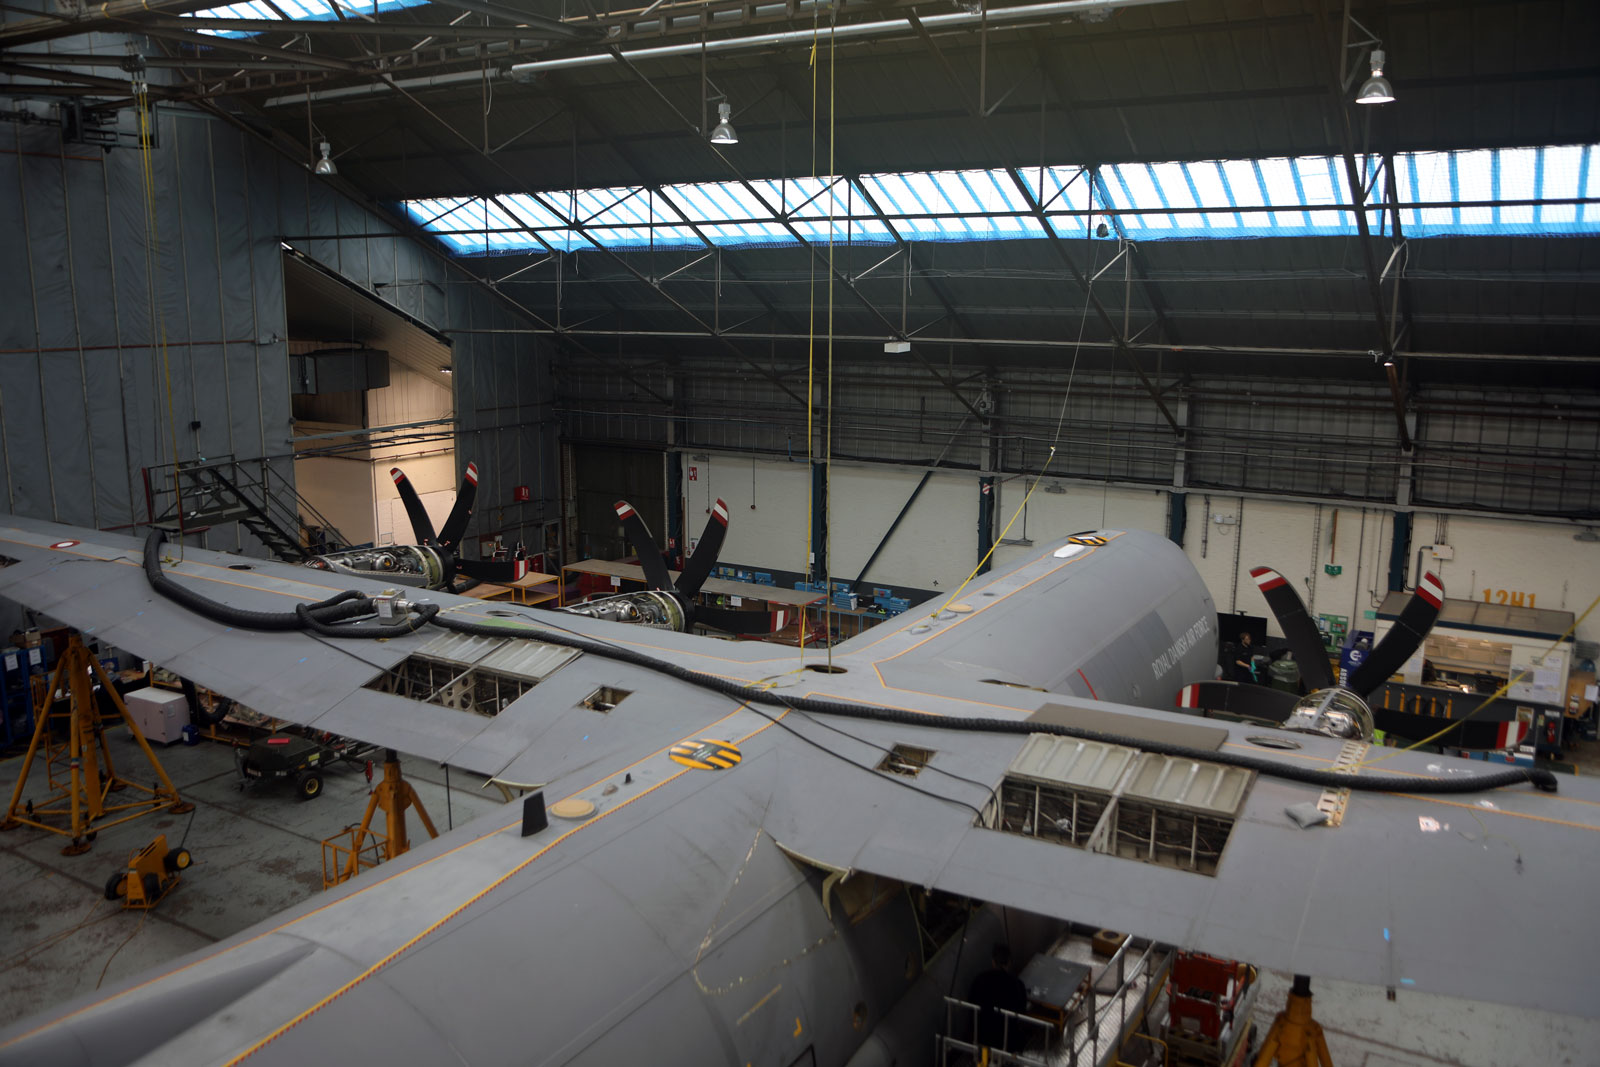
<point x="530" y="589"/>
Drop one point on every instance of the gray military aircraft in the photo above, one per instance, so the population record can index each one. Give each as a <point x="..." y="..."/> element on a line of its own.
<point x="435" y="561"/>
<point x="754" y="856"/>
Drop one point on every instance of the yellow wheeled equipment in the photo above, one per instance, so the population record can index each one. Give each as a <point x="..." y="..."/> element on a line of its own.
<point x="151" y="873"/>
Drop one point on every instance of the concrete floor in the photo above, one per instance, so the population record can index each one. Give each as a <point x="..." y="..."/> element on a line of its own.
<point x="255" y="853"/>
<point x="259" y="851"/>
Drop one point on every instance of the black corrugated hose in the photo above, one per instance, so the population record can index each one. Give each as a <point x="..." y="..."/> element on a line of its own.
<point x="320" y="617"/>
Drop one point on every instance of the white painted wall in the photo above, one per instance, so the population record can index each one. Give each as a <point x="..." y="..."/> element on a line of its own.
<point x="1052" y="516"/>
<point x="341" y="489"/>
<point x="936" y="544"/>
<point x="1540" y="560"/>
<point x="773" y="533"/>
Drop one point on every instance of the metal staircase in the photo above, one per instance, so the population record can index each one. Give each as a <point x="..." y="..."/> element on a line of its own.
<point x="249" y="492"/>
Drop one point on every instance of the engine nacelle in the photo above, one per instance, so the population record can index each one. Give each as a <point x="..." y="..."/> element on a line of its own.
<point x="412" y="565"/>
<point x="648" y="607"/>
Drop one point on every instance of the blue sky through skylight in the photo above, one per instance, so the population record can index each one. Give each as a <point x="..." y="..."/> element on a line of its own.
<point x="315" y="10"/>
<point x="1205" y="200"/>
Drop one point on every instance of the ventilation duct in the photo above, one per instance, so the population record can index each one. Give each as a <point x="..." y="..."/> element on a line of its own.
<point x="342" y="370"/>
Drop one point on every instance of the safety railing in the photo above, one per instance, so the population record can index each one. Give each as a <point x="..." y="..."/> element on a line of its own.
<point x="1025" y="1041"/>
<point x="343" y="858"/>
<point x="251" y="491"/>
<point x="1109" y="1015"/>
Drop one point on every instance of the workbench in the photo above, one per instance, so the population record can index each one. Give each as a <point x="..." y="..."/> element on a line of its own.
<point x="529" y="590"/>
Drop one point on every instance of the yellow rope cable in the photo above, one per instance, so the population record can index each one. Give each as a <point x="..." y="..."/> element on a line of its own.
<point x="1005" y="530"/>
<point x="1492" y="697"/>
<point x="152" y="255"/>
<point x="827" y="445"/>
<point x="811" y="349"/>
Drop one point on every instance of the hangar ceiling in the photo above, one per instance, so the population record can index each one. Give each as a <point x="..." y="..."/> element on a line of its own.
<point x="480" y="104"/>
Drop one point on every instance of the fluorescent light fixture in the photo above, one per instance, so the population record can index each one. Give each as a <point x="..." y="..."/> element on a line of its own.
<point x="325" y="166"/>
<point x="895" y="348"/>
<point x="447" y="369"/>
<point x="1376" y="89"/>
<point x="723" y="132"/>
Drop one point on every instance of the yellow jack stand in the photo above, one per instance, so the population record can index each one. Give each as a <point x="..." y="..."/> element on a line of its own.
<point x="394" y="795"/>
<point x="1295" y="1039"/>
<point x="79" y="787"/>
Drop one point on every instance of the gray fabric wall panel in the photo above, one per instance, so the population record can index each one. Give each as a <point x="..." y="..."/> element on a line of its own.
<point x="43" y="193"/>
<point x="197" y="228"/>
<point x="355" y="260"/>
<point x="16" y="325"/>
<point x="230" y="181"/>
<point x="125" y="218"/>
<point x="113" y="486"/>
<point x="71" y="471"/>
<point x="322" y="216"/>
<point x="90" y="267"/>
<point x="25" y="439"/>
<point x="78" y="424"/>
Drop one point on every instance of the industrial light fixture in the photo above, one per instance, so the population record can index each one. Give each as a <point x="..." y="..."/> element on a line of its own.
<point x="325" y="166"/>
<point x="723" y="132"/>
<point x="1376" y="89"/>
<point x="446" y="369"/>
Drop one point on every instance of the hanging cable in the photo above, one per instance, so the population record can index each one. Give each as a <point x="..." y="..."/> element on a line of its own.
<point x="811" y="362"/>
<point x="323" y="617"/>
<point x="827" y="461"/>
<point x="1492" y="697"/>
<point x="1072" y="372"/>
<point x="152" y="260"/>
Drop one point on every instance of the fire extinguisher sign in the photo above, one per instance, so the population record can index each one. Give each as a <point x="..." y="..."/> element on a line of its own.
<point x="694" y="474"/>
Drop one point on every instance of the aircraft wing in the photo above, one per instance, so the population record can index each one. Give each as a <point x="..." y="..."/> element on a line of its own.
<point x="449" y="697"/>
<point x="1445" y="894"/>
<point x="678" y="884"/>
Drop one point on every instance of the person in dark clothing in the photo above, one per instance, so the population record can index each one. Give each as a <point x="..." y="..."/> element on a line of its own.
<point x="993" y="990"/>
<point x="1242" y="671"/>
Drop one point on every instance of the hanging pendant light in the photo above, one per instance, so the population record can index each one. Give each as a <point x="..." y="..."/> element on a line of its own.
<point x="325" y="166"/>
<point x="723" y="132"/>
<point x="1376" y="89"/>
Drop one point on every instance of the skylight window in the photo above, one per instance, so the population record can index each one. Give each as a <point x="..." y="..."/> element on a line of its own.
<point x="1515" y="191"/>
<point x="296" y="10"/>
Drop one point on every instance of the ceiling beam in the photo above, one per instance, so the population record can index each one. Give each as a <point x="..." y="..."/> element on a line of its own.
<point x="1358" y="198"/>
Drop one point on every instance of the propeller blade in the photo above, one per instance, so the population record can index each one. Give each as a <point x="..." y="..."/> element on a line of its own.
<point x="421" y="525"/>
<point x="1477" y="732"/>
<point x="456" y="524"/>
<point x="1232" y="698"/>
<point x="699" y="565"/>
<point x="1305" y="640"/>
<point x="1404" y="638"/>
<point x="742" y="622"/>
<point x="499" y="571"/>
<point x="656" y="575"/>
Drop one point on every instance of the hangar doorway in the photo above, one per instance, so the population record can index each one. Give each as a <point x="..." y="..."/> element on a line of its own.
<point x="372" y="389"/>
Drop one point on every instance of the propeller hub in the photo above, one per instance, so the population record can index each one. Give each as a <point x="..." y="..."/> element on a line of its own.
<point x="1333" y="712"/>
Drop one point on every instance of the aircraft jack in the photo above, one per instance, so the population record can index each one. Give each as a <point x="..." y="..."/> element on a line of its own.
<point x="1295" y="1039"/>
<point x="79" y="785"/>
<point x="367" y="847"/>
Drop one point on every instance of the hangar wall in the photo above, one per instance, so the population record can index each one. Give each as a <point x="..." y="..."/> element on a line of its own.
<point x="105" y="326"/>
<point x="1226" y="535"/>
